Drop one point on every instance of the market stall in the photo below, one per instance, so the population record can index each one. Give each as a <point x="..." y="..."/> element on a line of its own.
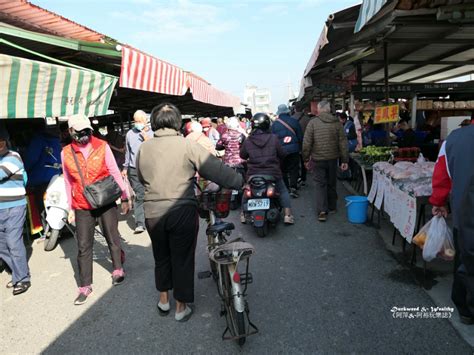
<point x="399" y="189"/>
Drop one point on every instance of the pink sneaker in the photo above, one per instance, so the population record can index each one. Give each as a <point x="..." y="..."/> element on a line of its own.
<point x="84" y="292"/>
<point x="118" y="276"/>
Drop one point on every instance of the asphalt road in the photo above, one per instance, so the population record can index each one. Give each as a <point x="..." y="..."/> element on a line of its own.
<point x="318" y="288"/>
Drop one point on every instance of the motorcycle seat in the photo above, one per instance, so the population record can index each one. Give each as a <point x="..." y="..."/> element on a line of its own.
<point x="264" y="177"/>
<point x="220" y="228"/>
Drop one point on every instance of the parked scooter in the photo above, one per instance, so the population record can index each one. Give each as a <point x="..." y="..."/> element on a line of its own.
<point x="262" y="208"/>
<point x="56" y="210"/>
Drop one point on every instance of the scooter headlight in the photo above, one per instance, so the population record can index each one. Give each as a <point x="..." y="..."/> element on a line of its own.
<point x="54" y="198"/>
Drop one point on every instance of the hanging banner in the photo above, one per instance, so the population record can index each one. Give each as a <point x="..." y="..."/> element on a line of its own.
<point x="386" y="114"/>
<point x="33" y="89"/>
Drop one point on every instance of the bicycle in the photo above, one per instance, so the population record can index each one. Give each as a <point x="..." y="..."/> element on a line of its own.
<point x="225" y="257"/>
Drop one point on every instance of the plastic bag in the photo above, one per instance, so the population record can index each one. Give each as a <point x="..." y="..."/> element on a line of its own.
<point x="420" y="239"/>
<point x="437" y="235"/>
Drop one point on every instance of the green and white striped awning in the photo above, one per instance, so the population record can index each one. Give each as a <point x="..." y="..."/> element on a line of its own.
<point x="31" y="89"/>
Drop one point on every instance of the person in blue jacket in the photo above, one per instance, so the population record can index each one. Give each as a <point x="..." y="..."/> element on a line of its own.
<point x="290" y="136"/>
<point x="42" y="161"/>
<point x="350" y="130"/>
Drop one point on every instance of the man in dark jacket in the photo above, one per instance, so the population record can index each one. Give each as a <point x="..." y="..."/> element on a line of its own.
<point x="263" y="153"/>
<point x="454" y="176"/>
<point x="289" y="133"/>
<point x="303" y="120"/>
<point x="324" y="144"/>
<point x="42" y="162"/>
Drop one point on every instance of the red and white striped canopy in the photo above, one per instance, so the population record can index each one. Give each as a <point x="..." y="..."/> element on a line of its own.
<point x="144" y="72"/>
<point x="203" y="91"/>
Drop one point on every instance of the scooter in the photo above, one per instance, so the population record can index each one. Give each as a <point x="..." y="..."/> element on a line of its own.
<point x="262" y="208"/>
<point x="56" y="210"/>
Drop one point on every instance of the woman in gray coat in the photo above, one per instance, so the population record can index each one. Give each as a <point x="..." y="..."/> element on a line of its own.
<point x="167" y="165"/>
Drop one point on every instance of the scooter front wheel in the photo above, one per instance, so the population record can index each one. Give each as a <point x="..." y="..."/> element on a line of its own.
<point x="51" y="240"/>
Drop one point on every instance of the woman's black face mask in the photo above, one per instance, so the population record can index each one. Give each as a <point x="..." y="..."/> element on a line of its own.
<point x="82" y="137"/>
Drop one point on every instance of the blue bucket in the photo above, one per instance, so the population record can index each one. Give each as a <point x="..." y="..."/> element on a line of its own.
<point x="357" y="209"/>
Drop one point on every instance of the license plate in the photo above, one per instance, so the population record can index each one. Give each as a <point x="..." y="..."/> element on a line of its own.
<point x="258" y="204"/>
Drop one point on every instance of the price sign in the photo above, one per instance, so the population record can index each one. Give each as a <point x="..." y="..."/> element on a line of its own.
<point x="380" y="192"/>
<point x="386" y="114"/>
<point x="373" y="188"/>
<point x="408" y="227"/>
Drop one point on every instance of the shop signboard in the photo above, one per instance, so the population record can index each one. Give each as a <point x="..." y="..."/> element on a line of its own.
<point x="386" y="114"/>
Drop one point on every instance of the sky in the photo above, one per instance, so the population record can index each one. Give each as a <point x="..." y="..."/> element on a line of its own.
<point x="228" y="43"/>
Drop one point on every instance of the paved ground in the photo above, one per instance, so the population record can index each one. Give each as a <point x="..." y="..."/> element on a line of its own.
<point x="318" y="288"/>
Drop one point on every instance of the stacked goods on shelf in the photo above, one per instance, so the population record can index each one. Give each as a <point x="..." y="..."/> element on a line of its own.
<point x="444" y="105"/>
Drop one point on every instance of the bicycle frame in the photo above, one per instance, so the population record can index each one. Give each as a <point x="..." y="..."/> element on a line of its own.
<point x="236" y="293"/>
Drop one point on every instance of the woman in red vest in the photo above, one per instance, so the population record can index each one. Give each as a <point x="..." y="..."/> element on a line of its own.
<point x="96" y="161"/>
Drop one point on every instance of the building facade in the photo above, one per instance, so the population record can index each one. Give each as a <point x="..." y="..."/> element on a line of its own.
<point x="258" y="99"/>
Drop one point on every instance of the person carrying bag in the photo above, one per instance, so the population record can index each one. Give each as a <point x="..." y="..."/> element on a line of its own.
<point x="93" y="184"/>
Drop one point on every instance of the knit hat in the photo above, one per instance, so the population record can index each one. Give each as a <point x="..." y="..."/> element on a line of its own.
<point x="233" y="123"/>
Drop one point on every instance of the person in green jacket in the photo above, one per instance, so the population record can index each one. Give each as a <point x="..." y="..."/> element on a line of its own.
<point x="324" y="145"/>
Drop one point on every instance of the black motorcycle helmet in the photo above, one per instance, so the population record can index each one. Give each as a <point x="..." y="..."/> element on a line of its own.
<point x="260" y="121"/>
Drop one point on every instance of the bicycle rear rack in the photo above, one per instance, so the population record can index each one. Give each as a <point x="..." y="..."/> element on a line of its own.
<point x="251" y="328"/>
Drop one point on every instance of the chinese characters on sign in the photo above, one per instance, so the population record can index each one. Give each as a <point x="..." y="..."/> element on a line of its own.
<point x="386" y="114"/>
<point x="422" y="312"/>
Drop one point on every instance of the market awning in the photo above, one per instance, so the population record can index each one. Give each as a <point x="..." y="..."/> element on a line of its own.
<point x="203" y="91"/>
<point x="147" y="73"/>
<point x="144" y="72"/>
<point x="26" y="15"/>
<point x="368" y="9"/>
<point x="38" y="89"/>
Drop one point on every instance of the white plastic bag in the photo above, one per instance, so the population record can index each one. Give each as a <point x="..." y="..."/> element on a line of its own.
<point x="438" y="233"/>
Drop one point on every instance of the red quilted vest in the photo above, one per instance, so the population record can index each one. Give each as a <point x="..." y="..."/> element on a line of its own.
<point x="93" y="169"/>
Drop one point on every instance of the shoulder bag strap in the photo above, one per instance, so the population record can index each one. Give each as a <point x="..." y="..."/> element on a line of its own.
<point x="287" y="126"/>
<point x="78" y="166"/>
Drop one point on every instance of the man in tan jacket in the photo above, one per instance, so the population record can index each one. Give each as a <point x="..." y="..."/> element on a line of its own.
<point x="324" y="144"/>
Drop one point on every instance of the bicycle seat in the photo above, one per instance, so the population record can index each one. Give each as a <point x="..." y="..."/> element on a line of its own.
<point x="220" y="228"/>
<point x="264" y="177"/>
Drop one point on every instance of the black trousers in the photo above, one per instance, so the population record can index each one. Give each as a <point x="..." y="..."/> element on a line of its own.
<point x="290" y="169"/>
<point x="85" y="225"/>
<point x="325" y="175"/>
<point x="173" y="238"/>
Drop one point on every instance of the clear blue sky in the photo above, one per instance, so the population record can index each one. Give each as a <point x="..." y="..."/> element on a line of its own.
<point x="228" y="43"/>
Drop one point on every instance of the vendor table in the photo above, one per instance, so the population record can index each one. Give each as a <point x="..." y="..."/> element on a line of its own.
<point x="361" y="174"/>
<point x="406" y="211"/>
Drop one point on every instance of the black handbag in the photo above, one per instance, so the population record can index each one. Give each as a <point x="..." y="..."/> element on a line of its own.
<point x="101" y="193"/>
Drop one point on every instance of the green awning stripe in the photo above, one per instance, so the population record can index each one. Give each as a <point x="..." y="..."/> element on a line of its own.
<point x="12" y="88"/>
<point x="110" y="89"/>
<point x="98" y="101"/>
<point x="89" y="95"/>
<point x="67" y="81"/>
<point x="50" y="92"/>
<point x="33" y="87"/>
<point x="78" y="92"/>
<point x="37" y="89"/>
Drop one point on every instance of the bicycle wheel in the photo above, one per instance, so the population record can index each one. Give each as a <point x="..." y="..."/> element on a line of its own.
<point x="236" y="319"/>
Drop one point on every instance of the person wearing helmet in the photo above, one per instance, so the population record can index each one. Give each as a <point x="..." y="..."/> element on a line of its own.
<point x="264" y="154"/>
